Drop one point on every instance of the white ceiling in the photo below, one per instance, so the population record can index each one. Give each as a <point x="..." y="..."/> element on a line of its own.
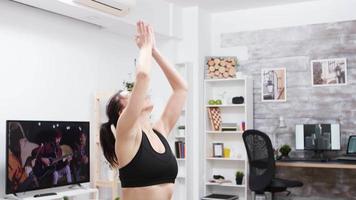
<point x="229" y="5"/>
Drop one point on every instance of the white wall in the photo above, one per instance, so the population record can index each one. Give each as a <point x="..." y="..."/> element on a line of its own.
<point x="204" y="50"/>
<point x="51" y="66"/>
<point x="312" y="12"/>
<point x="193" y="47"/>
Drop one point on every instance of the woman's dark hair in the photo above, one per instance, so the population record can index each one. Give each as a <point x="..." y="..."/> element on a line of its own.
<point x="107" y="138"/>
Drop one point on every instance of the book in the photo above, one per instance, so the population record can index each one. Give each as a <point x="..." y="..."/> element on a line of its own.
<point x="228" y="127"/>
<point x="176" y="145"/>
<point x="180" y="149"/>
<point x="220" y="197"/>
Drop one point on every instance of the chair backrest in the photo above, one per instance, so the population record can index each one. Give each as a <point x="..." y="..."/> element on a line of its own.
<point x="261" y="159"/>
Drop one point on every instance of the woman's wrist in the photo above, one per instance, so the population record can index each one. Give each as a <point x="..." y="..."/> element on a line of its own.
<point x="155" y="52"/>
<point x="146" y="49"/>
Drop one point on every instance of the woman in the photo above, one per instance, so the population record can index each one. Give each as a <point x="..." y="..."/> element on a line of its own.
<point x="138" y="148"/>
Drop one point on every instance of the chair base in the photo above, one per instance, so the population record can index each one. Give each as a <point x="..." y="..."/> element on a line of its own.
<point x="265" y="196"/>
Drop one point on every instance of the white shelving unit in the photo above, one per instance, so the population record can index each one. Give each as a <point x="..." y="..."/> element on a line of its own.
<point x="181" y="183"/>
<point x="225" y="89"/>
<point x="103" y="177"/>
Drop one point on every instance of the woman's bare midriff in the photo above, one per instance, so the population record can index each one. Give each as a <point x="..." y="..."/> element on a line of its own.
<point x="154" y="192"/>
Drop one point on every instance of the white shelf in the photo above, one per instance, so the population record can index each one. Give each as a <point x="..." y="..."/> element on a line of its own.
<point x="182" y="64"/>
<point x="225" y="80"/>
<point x="226" y="159"/>
<point x="225" y="132"/>
<point x="104" y="183"/>
<point x="181" y="176"/>
<point x="225" y="185"/>
<point x="180" y="159"/>
<point x="226" y="105"/>
<point x="179" y="137"/>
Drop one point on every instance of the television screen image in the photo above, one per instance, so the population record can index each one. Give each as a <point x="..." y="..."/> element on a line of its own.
<point x="45" y="154"/>
<point x="317" y="137"/>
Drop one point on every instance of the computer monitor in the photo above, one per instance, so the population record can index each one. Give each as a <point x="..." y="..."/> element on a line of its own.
<point x="317" y="137"/>
<point x="351" y="145"/>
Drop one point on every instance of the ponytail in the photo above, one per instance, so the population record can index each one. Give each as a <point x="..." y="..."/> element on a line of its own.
<point x="107" y="141"/>
<point x="107" y="138"/>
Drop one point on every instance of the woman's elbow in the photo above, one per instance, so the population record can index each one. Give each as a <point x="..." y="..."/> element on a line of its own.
<point x="184" y="87"/>
<point x="183" y="90"/>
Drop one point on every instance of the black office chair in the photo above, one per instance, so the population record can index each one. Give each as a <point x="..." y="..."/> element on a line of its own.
<point x="262" y="166"/>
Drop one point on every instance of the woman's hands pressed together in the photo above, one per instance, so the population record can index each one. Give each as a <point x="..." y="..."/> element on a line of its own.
<point x="145" y="36"/>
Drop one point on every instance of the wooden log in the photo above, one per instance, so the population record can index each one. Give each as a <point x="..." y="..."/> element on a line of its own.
<point x="211" y="75"/>
<point x="222" y="69"/>
<point x="216" y="61"/>
<point x="232" y="71"/>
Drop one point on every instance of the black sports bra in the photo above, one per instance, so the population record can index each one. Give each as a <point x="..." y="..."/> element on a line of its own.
<point x="148" y="167"/>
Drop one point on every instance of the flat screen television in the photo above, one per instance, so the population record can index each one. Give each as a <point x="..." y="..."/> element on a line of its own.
<point x="46" y="154"/>
<point x="318" y="137"/>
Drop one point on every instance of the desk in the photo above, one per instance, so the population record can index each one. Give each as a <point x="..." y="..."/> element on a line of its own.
<point x="314" y="164"/>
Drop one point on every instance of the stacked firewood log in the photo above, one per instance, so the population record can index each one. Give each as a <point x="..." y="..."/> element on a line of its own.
<point x="221" y="67"/>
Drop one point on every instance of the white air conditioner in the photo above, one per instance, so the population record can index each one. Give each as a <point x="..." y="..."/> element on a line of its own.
<point x="113" y="7"/>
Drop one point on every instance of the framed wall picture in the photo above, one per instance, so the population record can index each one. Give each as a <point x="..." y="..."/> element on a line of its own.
<point x="218" y="150"/>
<point x="329" y="72"/>
<point x="274" y="85"/>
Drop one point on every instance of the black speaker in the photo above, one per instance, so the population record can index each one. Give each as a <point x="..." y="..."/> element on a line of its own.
<point x="238" y="100"/>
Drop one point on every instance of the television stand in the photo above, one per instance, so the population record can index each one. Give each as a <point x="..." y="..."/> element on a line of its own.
<point x="45" y="194"/>
<point x="93" y="192"/>
<point x="78" y="185"/>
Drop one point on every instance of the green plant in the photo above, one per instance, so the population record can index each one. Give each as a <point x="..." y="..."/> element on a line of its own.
<point x="181" y="127"/>
<point x="117" y="198"/>
<point x="129" y="85"/>
<point x="239" y="174"/>
<point x="285" y="149"/>
<point x="65" y="198"/>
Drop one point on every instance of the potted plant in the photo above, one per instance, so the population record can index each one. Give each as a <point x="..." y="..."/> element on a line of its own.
<point x="129" y="86"/>
<point x="117" y="198"/>
<point x="181" y="130"/>
<point x="239" y="177"/>
<point x="284" y="150"/>
<point x="65" y="198"/>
